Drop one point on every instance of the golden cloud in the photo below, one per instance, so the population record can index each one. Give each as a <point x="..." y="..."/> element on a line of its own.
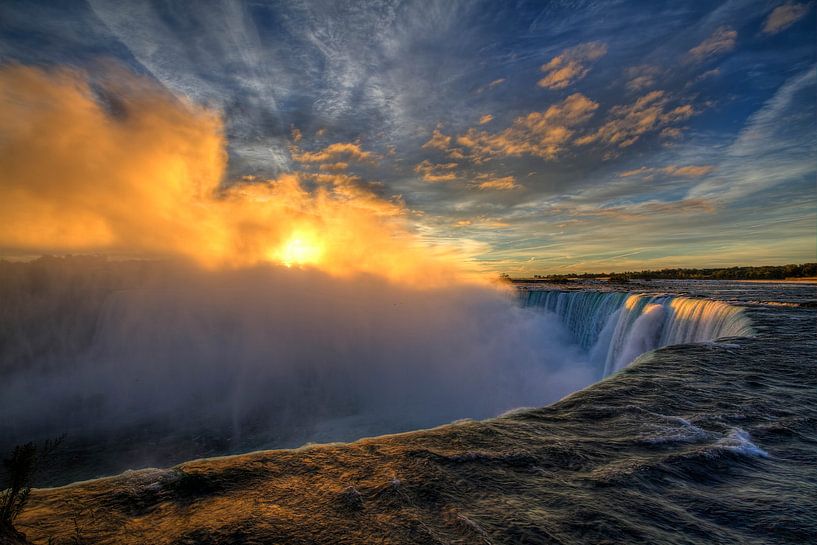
<point x="345" y="150"/>
<point x="340" y="165"/>
<point x="571" y="65"/>
<point x="481" y="222"/>
<point x="782" y="17"/>
<point x="627" y="123"/>
<point x="542" y="134"/>
<point x="434" y="173"/>
<point x="505" y="183"/>
<point x="438" y="141"/>
<point x="148" y="180"/>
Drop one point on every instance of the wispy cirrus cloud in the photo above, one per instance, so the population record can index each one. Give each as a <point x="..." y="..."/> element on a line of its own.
<point x="687" y="171"/>
<point x="491" y="85"/>
<point x="647" y="209"/>
<point x="774" y="147"/>
<point x="722" y="40"/>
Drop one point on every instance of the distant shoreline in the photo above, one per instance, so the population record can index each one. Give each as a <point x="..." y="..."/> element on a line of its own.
<point x="809" y="280"/>
<point x="605" y="280"/>
<point x="801" y="273"/>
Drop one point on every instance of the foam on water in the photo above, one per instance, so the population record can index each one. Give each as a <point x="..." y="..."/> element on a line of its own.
<point x="674" y="429"/>
<point x="738" y="441"/>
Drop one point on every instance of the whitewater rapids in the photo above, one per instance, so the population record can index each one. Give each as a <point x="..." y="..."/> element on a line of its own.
<point x="616" y="327"/>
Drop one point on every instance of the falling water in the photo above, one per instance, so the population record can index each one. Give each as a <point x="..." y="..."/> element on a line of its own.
<point x="617" y="327"/>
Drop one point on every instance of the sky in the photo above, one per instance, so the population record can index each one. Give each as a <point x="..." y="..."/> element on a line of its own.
<point x="535" y="137"/>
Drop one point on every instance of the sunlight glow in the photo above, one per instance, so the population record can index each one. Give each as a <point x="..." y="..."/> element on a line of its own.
<point x="301" y="249"/>
<point x="152" y="183"/>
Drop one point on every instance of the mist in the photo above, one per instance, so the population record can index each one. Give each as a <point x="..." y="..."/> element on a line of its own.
<point x="260" y="313"/>
<point x="265" y="356"/>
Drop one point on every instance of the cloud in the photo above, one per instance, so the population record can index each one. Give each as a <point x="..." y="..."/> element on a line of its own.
<point x="628" y="123"/>
<point x="721" y="41"/>
<point x="212" y="56"/>
<point x="636" y="172"/>
<point x="705" y="75"/>
<point x="688" y="171"/>
<point x="776" y="145"/>
<point x="650" y="209"/>
<point x="491" y="85"/>
<point x="436" y="172"/>
<point x="438" y="141"/>
<point x="481" y="222"/>
<point x="641" y="77"/>
<point x="505" y="183"/>
<point x="391" y="76"/>
<point x="487" y="118"/>
<point x="146" y="178"/>
<point x="542" y="134"/>
<point x="340" y="165"/>
<point x="571" y="65"/>
<point x="347" y="150"/>
<point x="782" y="17"/>
<point x="77" y="178"/>
<point x="670" y="132"/>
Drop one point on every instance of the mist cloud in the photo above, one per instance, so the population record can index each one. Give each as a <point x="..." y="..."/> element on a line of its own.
<point x="302" y="307"/>
<point x="296" y="353"/>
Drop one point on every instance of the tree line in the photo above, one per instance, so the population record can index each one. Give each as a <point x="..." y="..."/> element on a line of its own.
<point x="767" y="272"/>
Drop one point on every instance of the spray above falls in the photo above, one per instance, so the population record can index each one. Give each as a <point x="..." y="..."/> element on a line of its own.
<point x="215" y="361"/>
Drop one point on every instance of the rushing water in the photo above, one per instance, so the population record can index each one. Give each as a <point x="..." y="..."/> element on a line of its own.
<point x="144" y="364"/>
<point x="712" y="442"/>
<point x="617" y="327"/>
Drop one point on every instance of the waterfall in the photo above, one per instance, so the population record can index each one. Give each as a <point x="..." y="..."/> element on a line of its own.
<point x="616" y="327"/>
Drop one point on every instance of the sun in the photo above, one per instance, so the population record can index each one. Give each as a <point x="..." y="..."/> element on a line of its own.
<point x="299" y="250"/>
